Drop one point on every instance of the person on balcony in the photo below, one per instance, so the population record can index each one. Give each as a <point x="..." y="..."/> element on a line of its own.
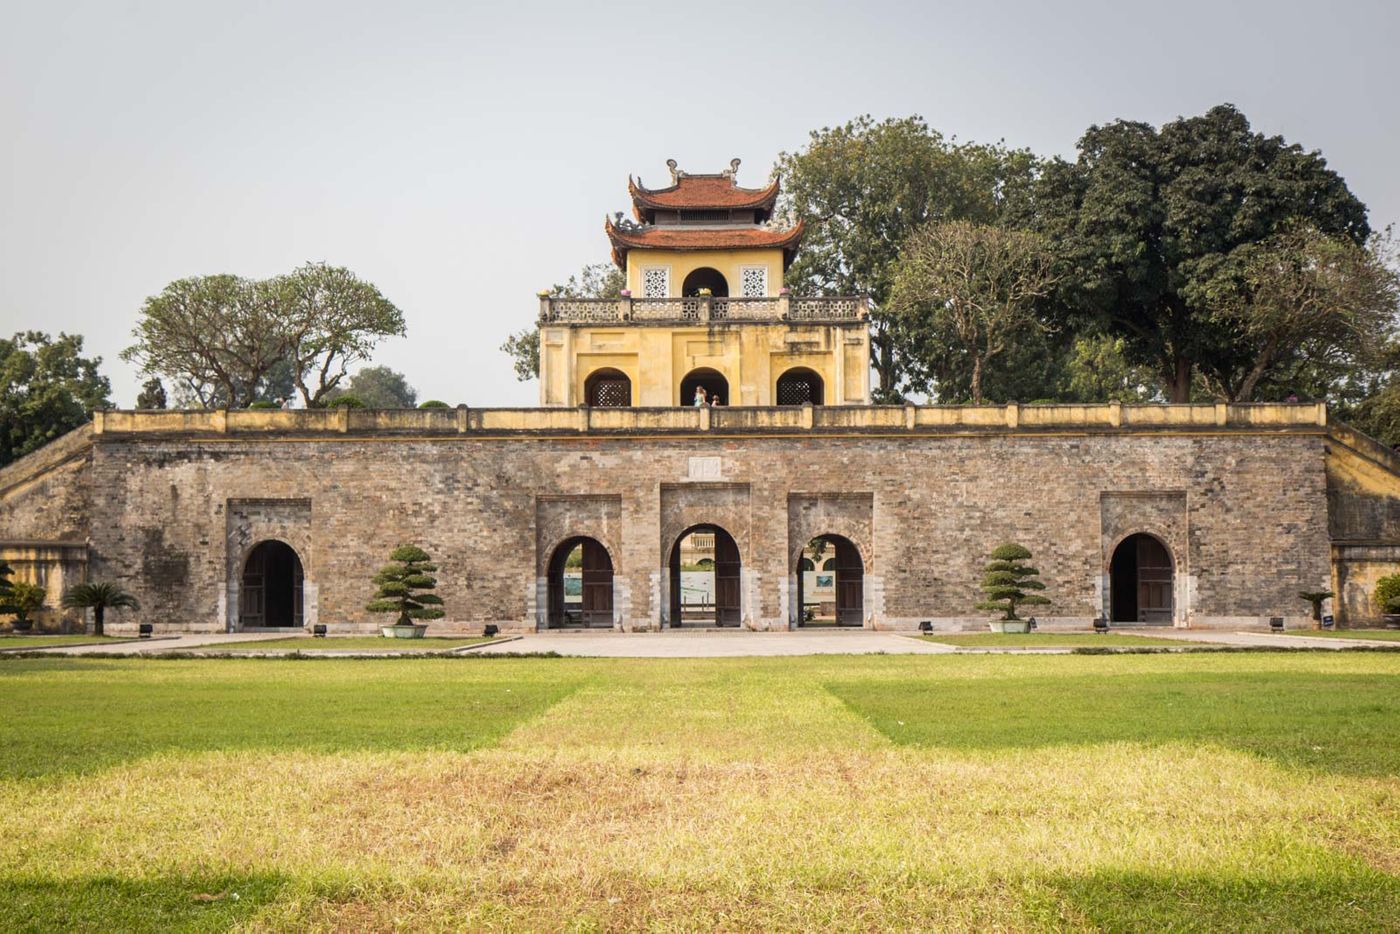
<point x="700" y="396"/>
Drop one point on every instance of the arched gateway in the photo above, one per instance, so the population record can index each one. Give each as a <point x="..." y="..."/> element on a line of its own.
<point x="830" y="583"/>
<point x="580" y="585"/>
<point x="270" y="596"/>
<point x="1141" y="575"/>
<point x="705" y="578"/>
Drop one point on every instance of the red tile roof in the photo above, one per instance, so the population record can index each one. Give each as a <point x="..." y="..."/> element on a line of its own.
<point x="678" y="237"/>
<point x="703" y="192"/>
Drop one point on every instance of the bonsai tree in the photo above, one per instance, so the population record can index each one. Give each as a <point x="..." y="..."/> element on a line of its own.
<point x="1315" y="597"/>
<point x="24" y="599"/>
<point x="1387" y="594"/>
<point x="1007" y="581"/>
<point x="403" y="587"/>
<point x="98" y="598"/>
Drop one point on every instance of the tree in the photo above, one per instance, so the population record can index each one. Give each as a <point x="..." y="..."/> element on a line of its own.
<point x="863" y="188"/>
<point x="25" y="598"/>
<point x="99" y="598"/>
<point x="379" y="387"/>
<point x="1008" y="581"/>
<point x="333" y="319"/>
<point x="47" y="388"/>
<point x="228" y="341"/>
<point x="403" y="587"/>
<point x="1299" y="295"/>
<point x="974" y="286"/>
<point x="595" y="280"/>
<point x="7" y="588"/>
<point x="1097" y="370"/>
<point x="152" y="395"/>
<point x="1147" y="218"/>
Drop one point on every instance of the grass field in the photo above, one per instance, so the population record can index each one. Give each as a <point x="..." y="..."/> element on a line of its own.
<point x="1234" y="792"/>
<point x="43" y="642"/>
<point x="1048" y="639"/>
<point x="346" y="644"/>
<point x="1384" y="635"/>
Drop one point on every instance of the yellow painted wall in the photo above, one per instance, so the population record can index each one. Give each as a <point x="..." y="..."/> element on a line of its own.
<point x="682" y="264"/>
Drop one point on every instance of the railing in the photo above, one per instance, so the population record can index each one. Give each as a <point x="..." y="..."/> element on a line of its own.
<point x="701" y="309"/>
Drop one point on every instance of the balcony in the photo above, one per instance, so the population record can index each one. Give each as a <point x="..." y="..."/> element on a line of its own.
<point x="700" y="310"/>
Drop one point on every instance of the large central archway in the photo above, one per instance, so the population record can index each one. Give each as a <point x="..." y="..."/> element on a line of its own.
<point x="580" y="585"/>
<point x="830" y="583"/>
<point x="271" y="593"/>
<point x="705" y="278"/>
<point x="1141" y="574"/>
<point x="715" y="386"/>
<point x="705" y="578"/>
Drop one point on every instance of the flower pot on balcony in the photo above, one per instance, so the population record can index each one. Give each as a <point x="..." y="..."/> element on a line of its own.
<point x="410" y="631"/>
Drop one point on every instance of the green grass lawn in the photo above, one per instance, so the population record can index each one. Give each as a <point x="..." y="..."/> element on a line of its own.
<point x="347" y="644"/>
<point x="43" y="642"/>
<point x="1047" y="639"/>
<point x="1384" y="635"/>
<point x="1254" y="791"/>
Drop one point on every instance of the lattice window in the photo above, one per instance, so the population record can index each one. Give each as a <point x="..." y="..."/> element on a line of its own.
<point x="656" y="282"/>
<point x="799" y="389"/>
<point x="753" y="281"/>
<point x="610" y="392"/>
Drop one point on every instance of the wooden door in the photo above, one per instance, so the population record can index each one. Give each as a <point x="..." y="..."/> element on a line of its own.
<point x="727" y="600"/>
<point x="1154" y="580"/>
<point x="597" y="586"/>
<point x="850" y="585"/>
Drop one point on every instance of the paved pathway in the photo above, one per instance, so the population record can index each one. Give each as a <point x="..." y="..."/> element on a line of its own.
<point x="1286" y="640"/>
<point x="716" y="644"/>
<point x="163" y="644"/>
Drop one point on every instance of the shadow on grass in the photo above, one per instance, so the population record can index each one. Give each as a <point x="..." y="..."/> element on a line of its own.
<point x="1332" y="723"/>
<point x="116" y="711"/>
<point x="212" y="903"/>
<point x="1350" y="899"/>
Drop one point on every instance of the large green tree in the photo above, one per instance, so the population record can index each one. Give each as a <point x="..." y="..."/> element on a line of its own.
<point x="1149" y="218"/>
<point x="595" y="280"/>
<point x="225" y="340"/>
<point x="864" y="187"/>
<point x="379" y="387"/>
<point x="47" y="388"/>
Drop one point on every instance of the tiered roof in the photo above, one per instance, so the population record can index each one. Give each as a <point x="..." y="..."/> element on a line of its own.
<point x="687" y="193"/>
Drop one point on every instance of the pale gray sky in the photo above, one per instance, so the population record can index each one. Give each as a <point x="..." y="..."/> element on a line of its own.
<point x="462" y="155"/>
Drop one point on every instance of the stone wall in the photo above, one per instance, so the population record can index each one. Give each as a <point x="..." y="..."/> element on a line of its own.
<point x="176" y="517"/>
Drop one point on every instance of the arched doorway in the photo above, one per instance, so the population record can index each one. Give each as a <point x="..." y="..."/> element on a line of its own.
<point x="580" y="585"/>
<point x="705" y="278"/>
<point x="830" y="583"/>
<point x="270" y="597"/>
<point x="1140" y="577"/>
<point x="799" y="386"/>
<point x="705" y="574"/>
<point x="607" y="388"/>
<point x="712" y="381"/>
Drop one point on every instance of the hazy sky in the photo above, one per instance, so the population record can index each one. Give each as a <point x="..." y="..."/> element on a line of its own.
<point x="463" y="155"/>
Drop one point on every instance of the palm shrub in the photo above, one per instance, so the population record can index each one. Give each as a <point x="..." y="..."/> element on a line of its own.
<point x="1007" y="581"/>
<point x="99" y="598"/>
<point x="24" y="599"/>
<point x="403" y="587"/>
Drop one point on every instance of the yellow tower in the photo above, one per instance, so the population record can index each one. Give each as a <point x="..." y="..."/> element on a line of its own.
<point x="705" y="317"/>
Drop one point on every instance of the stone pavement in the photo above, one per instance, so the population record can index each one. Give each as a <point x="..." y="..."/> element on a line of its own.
<point x="712" y="644"/>
<point x="1286" y="640"/>
<point x="163" y="643"/>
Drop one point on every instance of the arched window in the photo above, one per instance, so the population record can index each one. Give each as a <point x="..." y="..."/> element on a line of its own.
<point x="799" y="386"/>
<point x="271" y="593"/>
<point x="705" y="278"/>
<point x="607" y="388"/>
<point x="715" y="386"/>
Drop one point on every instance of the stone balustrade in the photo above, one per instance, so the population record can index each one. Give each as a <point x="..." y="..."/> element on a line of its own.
<point x="698" y="309"/>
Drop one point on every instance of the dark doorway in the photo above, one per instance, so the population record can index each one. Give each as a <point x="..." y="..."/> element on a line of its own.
<point x="1140" y="582"/>
<point x="705" y="278"/>
<point x="272" y="585"/>
<point x="705" y="578"/>
<point x="714" y="384"/>
<point x="830" y="583"/>
<point x="608" y="388"/>
<point x="580" y="586"/>
<point x="799" y="386"/>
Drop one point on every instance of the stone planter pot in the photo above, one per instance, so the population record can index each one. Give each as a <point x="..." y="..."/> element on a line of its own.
<point x="1009" y="625"/>
<point x="411" y="631"/>
<point x="1392" y="621"/>
<point x="23" y="625"/>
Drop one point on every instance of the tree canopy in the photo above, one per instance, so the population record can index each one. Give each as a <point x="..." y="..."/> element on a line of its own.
<point x="378" y="387"/>
<point x="47" y="388"/>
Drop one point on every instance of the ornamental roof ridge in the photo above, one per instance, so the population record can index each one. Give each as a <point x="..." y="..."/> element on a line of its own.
<point x="691" y="190"/>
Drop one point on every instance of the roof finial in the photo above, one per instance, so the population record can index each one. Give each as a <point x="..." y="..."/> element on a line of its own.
<point x="733" y="169"/>
<point x="675" y="172"/>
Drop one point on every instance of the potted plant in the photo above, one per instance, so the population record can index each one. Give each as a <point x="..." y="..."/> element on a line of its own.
<point x="1315" y="597"/>
<point x="402" y="588"/>
<point x="1387" y="597"/>
<point x="1006" y="582"/>
<point x="99" y="597"/>
<point x="24" y="598"/>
